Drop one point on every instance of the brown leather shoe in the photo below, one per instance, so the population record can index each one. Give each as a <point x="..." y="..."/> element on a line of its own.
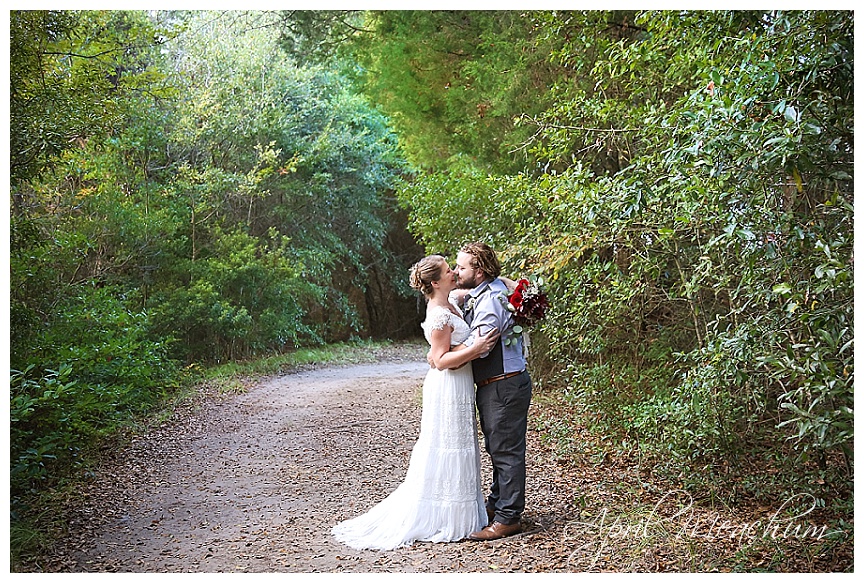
<point x="495" y="531"/>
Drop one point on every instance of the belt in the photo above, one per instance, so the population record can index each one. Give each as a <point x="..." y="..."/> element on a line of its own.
<point x="500" y="377"/>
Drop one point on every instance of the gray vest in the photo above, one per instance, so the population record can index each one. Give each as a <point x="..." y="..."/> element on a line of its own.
<point x="492" y="365"/>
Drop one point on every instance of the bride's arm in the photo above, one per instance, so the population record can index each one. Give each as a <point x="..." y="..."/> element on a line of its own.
<point x="443" y="357"/>
<point x="458" y="296"/>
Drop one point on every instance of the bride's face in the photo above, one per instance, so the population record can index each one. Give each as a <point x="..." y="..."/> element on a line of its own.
<point x="447" y="282"/>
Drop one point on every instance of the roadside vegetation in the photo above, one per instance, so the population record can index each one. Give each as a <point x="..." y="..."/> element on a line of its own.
<point x="191" y="191"/>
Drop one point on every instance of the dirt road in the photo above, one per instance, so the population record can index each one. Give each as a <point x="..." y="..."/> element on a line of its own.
<point x="253" y="482"/>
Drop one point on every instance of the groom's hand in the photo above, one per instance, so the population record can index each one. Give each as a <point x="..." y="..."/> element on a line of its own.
<point x="486" y="343"/>
<point x="459" y="295"/>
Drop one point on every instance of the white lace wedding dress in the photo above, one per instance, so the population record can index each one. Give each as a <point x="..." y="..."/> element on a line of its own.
<point x="441" y="498"/>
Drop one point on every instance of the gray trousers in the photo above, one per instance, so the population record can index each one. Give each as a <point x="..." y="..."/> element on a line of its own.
<point x="503" y="408"/>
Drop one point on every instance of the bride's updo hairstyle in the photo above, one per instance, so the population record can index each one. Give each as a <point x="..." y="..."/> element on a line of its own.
<point x="424" y="272"/>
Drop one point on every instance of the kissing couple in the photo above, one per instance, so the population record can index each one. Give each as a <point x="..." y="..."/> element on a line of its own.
<point x="441" y="498"/>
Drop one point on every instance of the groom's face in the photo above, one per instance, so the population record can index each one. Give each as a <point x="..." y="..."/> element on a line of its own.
<point x="467" y="277"/>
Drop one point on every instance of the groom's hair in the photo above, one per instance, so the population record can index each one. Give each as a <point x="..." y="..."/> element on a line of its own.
<point x="483" y="258"/>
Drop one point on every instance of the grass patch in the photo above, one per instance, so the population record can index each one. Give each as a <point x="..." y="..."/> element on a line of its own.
<point x="345" y="353"/>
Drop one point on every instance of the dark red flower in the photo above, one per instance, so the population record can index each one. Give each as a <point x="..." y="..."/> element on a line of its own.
<point x="529" y="303"/>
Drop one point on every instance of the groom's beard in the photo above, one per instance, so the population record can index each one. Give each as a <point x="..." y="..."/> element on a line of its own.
<point x="467" y="284"/>
<point x="462" y="284"/>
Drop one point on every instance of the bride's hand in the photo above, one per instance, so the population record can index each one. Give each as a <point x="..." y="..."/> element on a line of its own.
<point x="511" y="285"/>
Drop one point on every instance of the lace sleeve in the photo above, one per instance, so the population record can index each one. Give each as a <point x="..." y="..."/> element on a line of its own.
<point x="438" y="319"/>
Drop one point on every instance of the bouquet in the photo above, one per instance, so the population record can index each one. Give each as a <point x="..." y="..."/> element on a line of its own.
<point x="528" y="303"/>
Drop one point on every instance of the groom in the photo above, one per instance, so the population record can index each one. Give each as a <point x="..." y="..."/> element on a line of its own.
<point x="503" y="389"/>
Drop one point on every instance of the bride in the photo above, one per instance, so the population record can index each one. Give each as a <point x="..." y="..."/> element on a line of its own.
<point x="441" y="498"/>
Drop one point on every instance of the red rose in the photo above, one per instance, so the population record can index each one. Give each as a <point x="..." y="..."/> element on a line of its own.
<point x="516" y="299"/>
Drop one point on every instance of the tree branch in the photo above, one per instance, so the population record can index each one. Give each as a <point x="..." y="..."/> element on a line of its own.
<point x="544" y="125"/>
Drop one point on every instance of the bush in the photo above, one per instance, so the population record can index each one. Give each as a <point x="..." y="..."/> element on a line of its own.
<point x="108" y="371"/>
<point x="245" y="297"/>
<point x="702" y="290"/>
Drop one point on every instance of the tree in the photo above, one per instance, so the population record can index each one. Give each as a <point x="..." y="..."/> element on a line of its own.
<point x="70" y="73"/>
<point x="81" y="355"/>
<point x="230" y="204"/>
<point x="694" y="228"/>
<point x="456" y="82"/>
<point x="266" y="146"/>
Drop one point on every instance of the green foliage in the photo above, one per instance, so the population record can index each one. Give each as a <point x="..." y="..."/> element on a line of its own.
<point x="694" y="226"/>
<point x="202" y="198"/>
<point x="71" y="73"/>
<point x="33" y="403"/>
<point x="454" y="81"/>
<point x="243" y="297"/>
<point x="280" y="186"/>
<point x="298" y="159"/>
<point x="107" y="371"/>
